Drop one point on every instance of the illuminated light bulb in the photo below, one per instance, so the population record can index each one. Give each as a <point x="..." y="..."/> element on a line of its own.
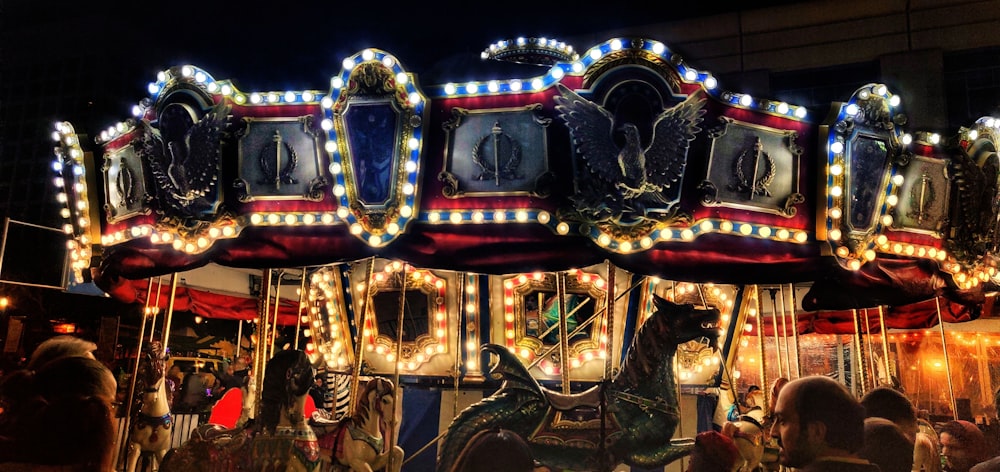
<point x="493" y="86"/>
<point x="226" y="89"/>
<point x="326" y="124"/>
<point x="782" y="108"/>
<point x="537" y="84"/>
<point x="499" y="215"/>
<point x="616" y="44"/>
<point x="408" y="189"/>
<point x="726" y="226"/>
<point x="255" y="98"/>
<point x="308" y="96"/>
<point x="272" y="98"/>
<point x="746" y="100"/>
<point x="595" y="54"/>
<point x="836" y="169"/>
<point x="887" y="220"/>
<point x="869" y="254"/>
<point x="764" y="231"/>
<point x="326" y="103"/>
<point x="706" y="225"/>
<point x="687" y="235"/>
<point x="837" y="147"/>
<point x="898" y="179"/>
<point x="577" y="67"/>
<point x="711" y="82"/>
<point x="289" y="96"/>
<point x="562" y="228"/>
<point x="882" y="240"/>
<point x="801" y="236"/>
<point x="604" y="239"/>
<point x="273" y="218"/>
<point x="339" y="190"/>
<point x="516" y="85"/>
<point x="356" y="229"/>
<point x="854" y="264"/>
<point x="646" y="242"/>
<point x="625" y="246"/>
<point x="291" y="219"/>
<point x="892" y="200"/>
<point x="413" y="98"/>
<point x="471" y="87"/>
<point x="894" y="101"/>
<point x="557" y="72"/>
<point x="543" y="217"/>
<point x="881" y="90"/>
<point x="659" y="48"/>
<point x="746" y="229"/>
<point x="851" y="109"/>
<point x="521" y="216"/>
<point x="935" y="138"/>
<point x="477" y="216"/>
<point x="835" y="234"/>
<point x="836" y="213"/>
<point x="836" y="191"/>
<point x="455" y="217"/>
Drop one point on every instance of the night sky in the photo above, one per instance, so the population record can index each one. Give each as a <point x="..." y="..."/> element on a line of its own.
<point x="299" y="44"/>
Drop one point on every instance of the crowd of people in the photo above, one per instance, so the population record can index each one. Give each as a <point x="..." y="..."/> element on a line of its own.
<point x="65" y="399"/>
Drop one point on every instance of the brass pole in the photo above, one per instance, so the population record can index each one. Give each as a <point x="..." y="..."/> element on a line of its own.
<point x="462" y="314"/>
<point x="885" y="345"/>
<point x="859" y="353"/>
<point x="795" y="331"/>
<point x="777" y="339"/>
<point x="239" y="340"/>
<point x="609" y="318"/>
<point x="260" y="348"/>
<point x="760" y="346"/>
<point x="123" y="447"/>
<point x="302" y="304"/>
<point x="156" y="311"/>
<point x="871" y="351"/>
<point x="359" y="349"/>
<point x="784" y="331"/>
<point x="399" y="351"/>
<point x="563" y="332"/>
<point x="170" y="309"/>
<point x="277" y="305"/>
<point x="947" y="362"/>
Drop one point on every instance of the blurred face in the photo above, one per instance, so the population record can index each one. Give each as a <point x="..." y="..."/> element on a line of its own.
<point x="958" y="456"/>
<point x="799" y="444"/>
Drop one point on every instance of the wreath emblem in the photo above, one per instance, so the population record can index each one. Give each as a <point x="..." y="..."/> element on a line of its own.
<point x="270" y="162"/>
<point x="758" y="182"/>
<point x="503" y="156"/>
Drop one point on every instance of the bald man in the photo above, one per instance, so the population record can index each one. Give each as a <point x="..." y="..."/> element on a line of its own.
<point x="819" y="427"/>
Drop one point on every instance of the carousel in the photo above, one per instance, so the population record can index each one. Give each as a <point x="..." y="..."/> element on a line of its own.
<point x="602" y="252"/>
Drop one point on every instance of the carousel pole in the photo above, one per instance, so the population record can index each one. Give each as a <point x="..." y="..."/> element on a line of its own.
<point x="947" y="363"/>
<point x="784" y="331"/>
<point x="146" y="311"/>
<point x="239" y="339"/>
<point x="260" y="348"/>
<point x="463" y="280"/>
<point x="609" y="311"/>
<point x="609" y="318"/>
<point x="277" y="305"/>
<point x="302" y="304"/>
<point x="795" y="331"/>
<point x="871" y="351"/>
<point x="156" y="310"/>
<point x="760" y="346"/>
<point x="885" y="344"/>
<point x="391" y="443"/>
<point x="359" y="345"/>
<point x="563" y="332"/>
<point x="168" y="318"/>
<point x="777" y="339"/>
<point x="860" y="353"/>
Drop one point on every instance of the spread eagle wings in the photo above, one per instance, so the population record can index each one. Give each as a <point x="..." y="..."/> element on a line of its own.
<point x="186" y="171"/>
<point x="591" y="127"/>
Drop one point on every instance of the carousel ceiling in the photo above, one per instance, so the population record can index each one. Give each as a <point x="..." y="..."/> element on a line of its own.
<point x="623" y="152"/>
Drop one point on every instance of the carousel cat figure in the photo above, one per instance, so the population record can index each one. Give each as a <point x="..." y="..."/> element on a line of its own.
<point x="152" y="425"/>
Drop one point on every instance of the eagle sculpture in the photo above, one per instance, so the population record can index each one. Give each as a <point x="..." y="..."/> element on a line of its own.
<point x="184" y="156"/>
<point x="629" y="178"/>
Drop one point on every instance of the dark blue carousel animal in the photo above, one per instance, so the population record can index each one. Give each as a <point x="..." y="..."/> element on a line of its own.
<point x="630" y="419"/>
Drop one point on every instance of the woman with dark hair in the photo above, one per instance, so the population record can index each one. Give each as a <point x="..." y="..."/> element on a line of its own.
<point x="65" y="406"/>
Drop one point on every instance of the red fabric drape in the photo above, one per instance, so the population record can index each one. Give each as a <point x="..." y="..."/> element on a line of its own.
<point x="201" y="302"/>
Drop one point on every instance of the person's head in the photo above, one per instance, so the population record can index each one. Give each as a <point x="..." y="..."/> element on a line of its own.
<point x="887" y="446"/>
<point x="174" y="371"/>
<point x="813" y="417"/>
<point x="713" y="452"/>
<point x="70" y="397"/>
<point x="754" y="397"/>
<point x="891" y="404"/>
<point x="963" y="445"/>
<point x="498" y="451"/>
<point x="58" y="347"/>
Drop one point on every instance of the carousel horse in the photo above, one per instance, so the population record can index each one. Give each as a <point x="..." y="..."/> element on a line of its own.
<point x="630" y="419"/>
<point x="745" y="425"/>
<point x="358" y="442"/>
<point x="152" y="424"/>
<point x="279" y="439"/>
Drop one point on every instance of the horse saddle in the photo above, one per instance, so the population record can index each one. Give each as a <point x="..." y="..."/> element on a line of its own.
<point x="574" y="420"/>
<point x="590" y="398"/>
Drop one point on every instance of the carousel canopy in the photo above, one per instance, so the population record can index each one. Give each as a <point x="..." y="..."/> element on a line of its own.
<point x="620" y="152"/>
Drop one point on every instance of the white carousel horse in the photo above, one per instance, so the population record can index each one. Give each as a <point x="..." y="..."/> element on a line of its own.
<point x="746" y="426"/>
<point x="358" y="442"/>
<point x="152" y="425"/>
